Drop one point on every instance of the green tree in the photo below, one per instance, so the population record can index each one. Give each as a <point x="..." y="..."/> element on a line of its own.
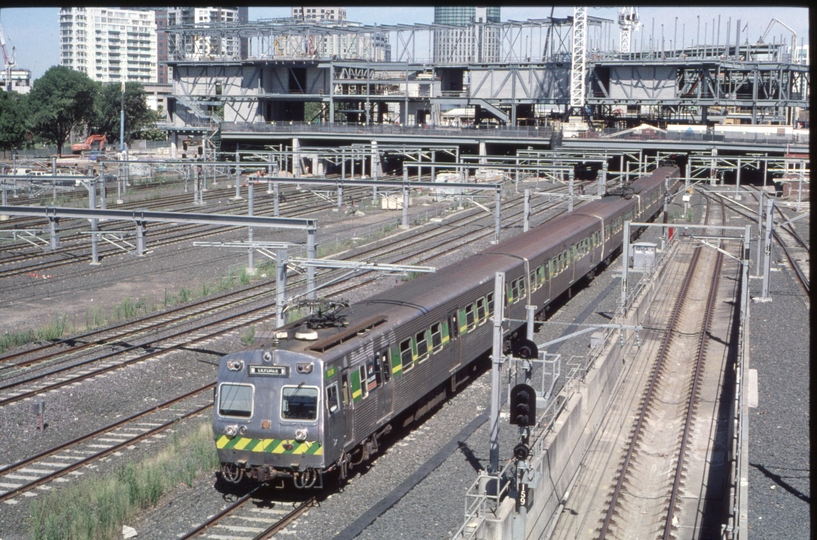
<point x="61" y="100"/>
<point x="108" y="107"/>
<point x="14" y="120"/>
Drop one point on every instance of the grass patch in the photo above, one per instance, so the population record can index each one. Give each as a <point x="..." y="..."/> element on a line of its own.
<point x="97" y="507"/>
<point x="248" y="335"/>
<point x="56" y="328"/>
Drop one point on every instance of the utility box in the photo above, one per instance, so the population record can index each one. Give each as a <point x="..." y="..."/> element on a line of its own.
<point x="642" y="255"/>
<point x="392" y="202"/>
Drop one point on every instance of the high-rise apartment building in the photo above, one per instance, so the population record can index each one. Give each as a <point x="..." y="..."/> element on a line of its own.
<point x="319" y="13"/>
<point x="109" y="45"/>
<point x="471" y="39"/>
<point x="206" y="48"/>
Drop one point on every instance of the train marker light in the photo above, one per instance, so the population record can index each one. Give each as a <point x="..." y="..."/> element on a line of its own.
<point x="523" y="405"/>
<point x="521" y="452"/>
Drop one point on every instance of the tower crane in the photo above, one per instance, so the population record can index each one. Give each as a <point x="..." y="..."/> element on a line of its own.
<point x="793" y="37"/>
<point x="627" y="22"/>
<point x="8" y="61"/>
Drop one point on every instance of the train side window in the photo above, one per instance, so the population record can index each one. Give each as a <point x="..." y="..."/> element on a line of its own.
<point x="436" y="337"/>
<point x="469" y="316"/>
<point x="422" y="346"/>
<point x="490" y="300"/>
<point x="405" y="355"/>
<point x="534" y="283"/>
<point x="521" y="287"/>
<point x="481" y="310"/>
<point x="455" y="328"/>
<point x="364" y="383"/>
<point x="384" y="365"/>
<point x="332" y="403"/>
<point x="514" y="296"/>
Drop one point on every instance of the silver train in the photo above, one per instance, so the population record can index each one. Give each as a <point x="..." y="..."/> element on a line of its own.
<point x="319" y="396"/>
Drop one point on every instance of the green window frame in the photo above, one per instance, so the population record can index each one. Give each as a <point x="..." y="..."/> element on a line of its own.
<point x="470" y="321"/>
<point x="422" y="345"/>
<point x="436" y="336"/>
<point x="406" y="355"/>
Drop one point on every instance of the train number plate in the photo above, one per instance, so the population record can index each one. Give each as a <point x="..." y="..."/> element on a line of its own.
<point x="269" y="371"/>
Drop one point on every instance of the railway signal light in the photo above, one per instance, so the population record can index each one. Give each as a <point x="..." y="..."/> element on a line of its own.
<point x="523" y="405"/>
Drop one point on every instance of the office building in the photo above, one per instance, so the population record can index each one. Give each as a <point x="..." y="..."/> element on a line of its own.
<point x="471" y="37"/>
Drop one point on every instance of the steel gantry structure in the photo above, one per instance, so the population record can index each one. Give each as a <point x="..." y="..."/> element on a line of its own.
<point x="288" y="70"/>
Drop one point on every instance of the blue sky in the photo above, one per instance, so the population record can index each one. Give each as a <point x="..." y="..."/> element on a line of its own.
<point x="35" y="31"/>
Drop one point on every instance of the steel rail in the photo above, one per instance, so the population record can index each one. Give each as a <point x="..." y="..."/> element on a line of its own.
<point x="90" y="459"/>
<point x="650" y="388"/>
<point x="699" y="364"/>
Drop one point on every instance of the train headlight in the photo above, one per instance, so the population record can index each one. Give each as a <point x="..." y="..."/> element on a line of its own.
<point x="242" y="430"/>
<point x="300" y="435"/>
<point x="235" y="365"/>
<point x="267" y="356"/>
<point x="231" y="431"/>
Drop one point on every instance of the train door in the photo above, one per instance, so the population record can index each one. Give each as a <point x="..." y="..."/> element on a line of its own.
<point x="335" y="432"/>
<point x="456" y="345"/>
<point x="385" y="385"/>
<point x="348" y="412"/>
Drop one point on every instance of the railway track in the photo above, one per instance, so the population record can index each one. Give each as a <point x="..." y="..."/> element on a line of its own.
<point x="71" y="456"/>
<point x="75" y="246"/>
<point x="258" y="516"/>
<point x="65" y="368"/>
<point x="796" y="250"/>
<point x="643" y="503"/>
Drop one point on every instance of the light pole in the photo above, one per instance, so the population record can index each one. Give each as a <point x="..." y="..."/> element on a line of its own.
<point x="122" y="121"/>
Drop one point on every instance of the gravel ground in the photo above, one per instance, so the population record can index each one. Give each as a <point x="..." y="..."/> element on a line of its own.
<point x="779" y="442"/>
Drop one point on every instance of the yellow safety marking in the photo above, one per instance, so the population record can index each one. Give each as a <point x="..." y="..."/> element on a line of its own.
<point x="279" y="449"/>
<point x="303" y="447"/>
<point x="242" y="443"/>
<point x="222" y="442"/>
<point x="356" y="394"/>
<point x="262" y="445"/>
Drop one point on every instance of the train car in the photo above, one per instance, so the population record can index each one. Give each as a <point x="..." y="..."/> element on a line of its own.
<point x="318" y="397"/>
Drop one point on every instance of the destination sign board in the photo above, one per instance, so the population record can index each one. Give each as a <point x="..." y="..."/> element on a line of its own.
<point x="269" y="371"/>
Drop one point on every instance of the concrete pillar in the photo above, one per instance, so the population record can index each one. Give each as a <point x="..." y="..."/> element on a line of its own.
<point x="526" y="213"/>
<point x="296" y="158"/>
<point x="275" y="201"/>
<point x="174" y="145"/>
<point x="53" y="225"/>
<point x="141" y="240"/>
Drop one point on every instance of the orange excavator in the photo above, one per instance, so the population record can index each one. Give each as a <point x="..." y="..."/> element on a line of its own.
<point x="92" y="143"/>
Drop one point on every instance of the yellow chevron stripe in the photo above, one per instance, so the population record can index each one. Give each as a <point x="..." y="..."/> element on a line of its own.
<point x="279" y="448"/>
<point x="356" y="394"/>
<point x="303" y="447"/>
<point x="262" y="445"/>
<point x="242" y="443"/>
<point x="222" y="442"/>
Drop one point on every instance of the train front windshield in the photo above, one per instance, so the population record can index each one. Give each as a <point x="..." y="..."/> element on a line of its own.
<point x="299" y="403"/>
<point x="235" y="400"/>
